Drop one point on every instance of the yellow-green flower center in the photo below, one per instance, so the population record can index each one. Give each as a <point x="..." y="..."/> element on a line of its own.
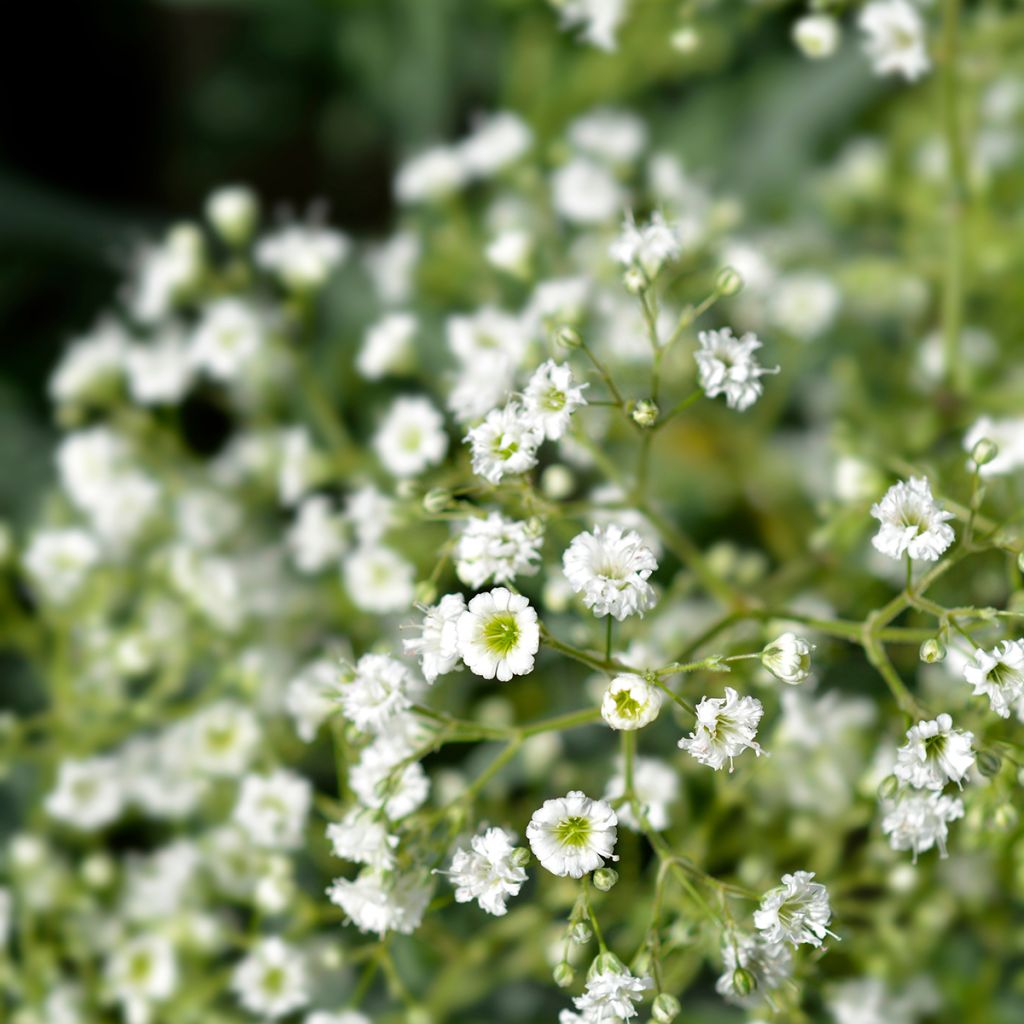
<point x="501" y="634"/>
<point x="574" y="831"/>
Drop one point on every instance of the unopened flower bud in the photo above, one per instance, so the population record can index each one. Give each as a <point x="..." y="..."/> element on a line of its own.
<point x="665" y="1009"/>
<point x="581" y="933"/>
<point x="788" y="658"/>
<point x="645" y="413"/>
<point x="728" y="282"/>
<point x="816" y="36"/>
<point x="520" y="856"/>
<point x="984" y="451"/>
<point x="568" y="337"/>
<point x="564" y="975"/>
<point x="233" y="211"/>
<point x="932" y="650"/>
<point x="437" y="499"/>
<point x="606" y="963"/>
<point x="605" y="879"/>
<point x="743" y="981"/>
<point x="889" y="785"/>
<point x="634" y="281"/>
<point x="557" y="482"/>
<point x="989" y="763"/>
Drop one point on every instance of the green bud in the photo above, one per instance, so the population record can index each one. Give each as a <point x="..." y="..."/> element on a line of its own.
<point x="581" y="933"/>
<point x="437" y="499"/>
<point x="728" y="282"/>
<point x="564" y="975"/>
<point x="989" y="763"/>
<point x="520" y="856"/>
<point x="606" y="963"/>
<point x="888" y="788"/>
<point x="984" y="451"/>
<point x="665" y="1009"/>
<point x="634" y="281"/>
<point x="743" y="981"/>
<point x="932" y="650"/>
<point x="568" y="337"/>
<point x="605" y="879"/>
<point x="645" y="413"/>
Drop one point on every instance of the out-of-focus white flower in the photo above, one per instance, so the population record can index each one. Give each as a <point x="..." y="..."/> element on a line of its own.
<point x="378" y="580"/>
<point x="505" y="444"/>
<point x="223" y="738"/>
<point x="377" y="689"/>
<point x="788" y="658"/>
<point x="510" y="251"/>
<point x="58" y="562"/>
<point x="935" y="753"/>
<point x="630" y="702"/>
<point x="770" y="963"/>
<point x="164" y="274"/>
<point x="230" y="334"/>
<point x="655" y="786"/>
<point x="816" y="35"/>
<point x="597" y="20"/>
<point x="345" y="1017"/>
<point x="556" y="301"/>
<point x="796" y="911"/>
<point x="140" y="973"/>
<point x="727" y="366"/>
<point x="87" y="794"/>
<point x="805" y="304"/>
<point x="496" y="549"/>
<point x="92" y="365"/>
<point x="412" y="437"/>
<point x="999" y="675"/>
<point x="437" y="646"/>
<point x="272" y="808"/>
<point x="363" y="838"/>
<point x="387" y="346"/>
<point x="497" y="141"/>
<point x="894" y="38"/>
<point x="615" y="136"/>
<point x="498" y="635"/>
<point x="917" y="820"/>
<point x="551" y="398"/>
<point x="726" y="726"/>
<point x="302" y="256"/>
<point x="271" y="981"/>
<point x="1007" y="435"/>
<point x="488" y="872"/>
<point x="311" y="698"/>
<point x="912" y="522"/>
<point x="316" y="539"/>
<point x="371" y="513"/>
<point x="392" y="264"/>
<point x="648" y="246"/>
<point x="429" y="176"/>
<point x="233" y="210"/>
<point x="381" y="902"/>
<point x="378" y="785"/>
<point x="159" y="371"/>
<point x="573" y="835"/>
<point x="584" y="192"/>
<point x="610" y="568"/>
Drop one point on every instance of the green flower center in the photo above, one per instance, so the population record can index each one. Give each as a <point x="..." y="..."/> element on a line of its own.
<point x="626" y="706"/>
<point x="574" y="831"/>
<point x="501" y="634"/>
<point x="554" y="399"/>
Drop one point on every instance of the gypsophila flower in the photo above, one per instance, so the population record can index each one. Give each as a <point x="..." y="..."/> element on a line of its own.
<point x="918" y="820"/>
<point x="160" y="371"/>
<point x="91" y="367"/>
<point x="378" y="579"/>
<point x="380" y="784"/>
<point x="816" y="35"/>
<point x="230" y="334"/>
<point x="612" y="994"/>
<point x="598" y="20"/>
<point x="140" y="973"/>
<point x="488" y="871"/>
<point x="630" y="702"/>
<point x="381" y="902"/>
<point x="584" y="192"/>
<point x="272" y="980"/>
<point x="894" y="38"/>
<point x="411" y="438"/>
<point x="233" y="210"/>
<point x="912" y="522"/>
<point x="387" y="346"/>
<point x="935" y="753"/>
<point x="505" y="444"/>
<point x="376" y="690"/>
<point x="796" y="911"/>
<point x="272" y="809"/>
<point x="498" y="635"/>
<point x="437" y="646"/>
<point x="610" y="568"/>
<point x="58" y="562"/>
<point x="726" y="365"/>
<point x="726" y="726"/>
<point x="655" y="786"/>
<point x="88" y="794"/>
<point x="345" y="1017"/>
<point x="551" y="398"/>
<point x="302" y="256"/>
<point x="493" y="549"/>
<point x="788" y="658"/>
<point x="647" y="246"/>
<point x="497" y="141"/>
<point x="999" y="675"/>
<point x="573" y="835"/>
<point x="770" y="963"/>
<point x="316" y="538"/>
<point x="223" y="738"/>
<point x="363" y="838"/>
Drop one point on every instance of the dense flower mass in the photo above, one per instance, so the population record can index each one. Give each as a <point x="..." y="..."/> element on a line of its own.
<point x="610" y="567"/>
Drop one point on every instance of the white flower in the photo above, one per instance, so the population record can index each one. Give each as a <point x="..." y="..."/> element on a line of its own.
<point x="610" y="568"/>
<point x="163" y="274"/>
<point x="272" y="809"/>
<point x="612" y="995"/>
<point x="387" y="346"/>
<point x="1008" y="436"/>
<point x="430" y="175"/>
<point x="381" y="903"/>
<point x="378" y="580"/>
<point x="378" y="784"/>
<point x="999" y="675"/>
<point x="271" y="981"/>
<point x="894" y="38"/>
<point x="726" y="726"/>
<point x="510" y="251"/>
<point x="726" y="365"/>
<point x="411" y="438"/>
<point x="141" y="972"/>
<point x="310" y="697"/>
<point x="918" y="820"/>
<point x="912" y="522"/>
<point x="159" y="371"/>
<point x="771" y="964"/>
<point x="584" y="192"/>
<point x="935" y="753"/>
<point x="796" y="911"/>
<point x="496" y="549"/>
<point x="59" y="561"/>
<point x="91" y="366"/>
<point x="788" y="658"/>
<point x="230" y="334"/>
<point x="598" y="20"/>
<point x="655" y="786"/>
<point x="497" y="141"/>
<point x="489" y="335"/>
<point x="488" y="872"/>
<point x="345" y="1017"/>
<point x="391" y="265"/>
<point x="613" y="135"/>
<point x="316" y="539"/>
<point x="302" y="256"/>
<point x="805" y="304"/>
<point x="437" y="646"/>
<point x="233" y="210"/>
<point x="371" y="513"/>
<point x="816" y="35"/>
<point x="649" y="246"/>
<point x="378" y="689"/>
<point x="504" y="444"/>
<point x="630" y="702"/>
<point x="551" y="398"/>
<point x="573" y="835"/>
<point x="223" y="738"/>
<point x="363" y="838"/>
<point x="88" y="794"/>
<point x="498" y="635"/>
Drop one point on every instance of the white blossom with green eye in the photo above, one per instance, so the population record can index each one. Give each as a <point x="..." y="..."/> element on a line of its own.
<point x="999" y="675"/>
<point x="272" y="980"/>
<point x="935" y="753"/>
<point x="797" y="911"/>
<point x="573" y="835"/>
<point x="630" y="702"/>
<point x="912" y="522"/>
<point x="498" y="635"/>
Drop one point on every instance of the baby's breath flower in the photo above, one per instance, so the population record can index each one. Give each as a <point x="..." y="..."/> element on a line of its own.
<point x="796" y="911"/>
<point x="487" y="872"/>
<point x="498" y="635"/>
<point x="894" y="38"/>
<point x="727" y="366"/>
<point x="752" y="957"/>
<point x="551" y="398"/>
<point x="377" y="689"/>
<point x="141" y="973"/>
<point x="378" y="580"/>
<point x="999" y="675"/>
<point x="912" y="522"/>
<point x="630" y="702"/>
<point x="316" y="538"/>
<point x="437" y="646"/>
<point x="362" y="837"/>
<point x="88" y="794"/>
<point x="496" y="549"/>
<point x="272" y="809"/>
<point x="612" y="995"/>
<point x="816" y="35"/>
<point x="505" y="444"/>
<point x="1007" y="435"/>
<point x="935" y="753"/>
<point x="726" y="726"/>
<point x="233" y="211"/>
<point x="917" y="820"/>
<point x="230" y="334"/>
<point x="573" y="835"/>
<point x="387" y="346"/>
<point x="610" y="568"/>
<point x="788" y="658"/>
<point x="655" y="787"/>
<point x="272" y="980"/>
<point x="382" y="902"/>
<point x="598" y="20"/>
<point x="302" y="256"/>
<point x="649" y="246"/>
<point x="411" y="438"/>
